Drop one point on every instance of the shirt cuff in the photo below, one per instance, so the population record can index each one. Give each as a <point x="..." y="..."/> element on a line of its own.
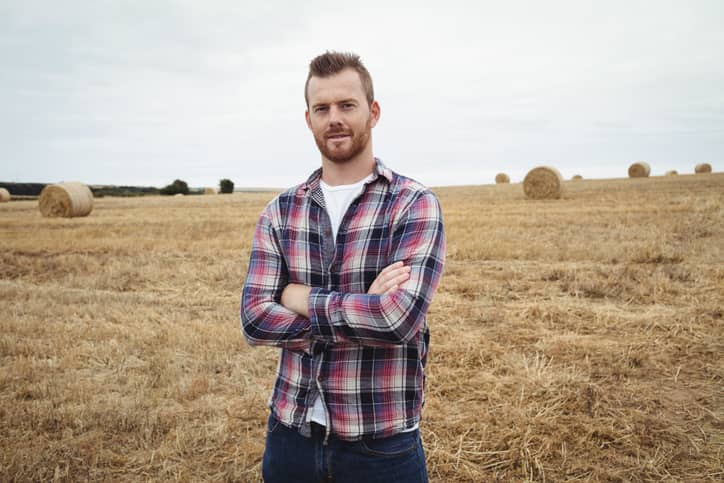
<point x="324" y="313"/>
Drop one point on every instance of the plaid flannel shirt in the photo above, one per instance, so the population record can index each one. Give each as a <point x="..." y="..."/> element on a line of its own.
<point x="363" y="354"/>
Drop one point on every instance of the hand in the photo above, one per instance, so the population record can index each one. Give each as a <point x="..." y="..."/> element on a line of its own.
<point x="295" y="297"/>
<point x="389" y="279"/>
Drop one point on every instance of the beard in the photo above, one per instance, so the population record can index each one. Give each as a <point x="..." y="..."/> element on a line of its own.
<point x="358" y="144"/>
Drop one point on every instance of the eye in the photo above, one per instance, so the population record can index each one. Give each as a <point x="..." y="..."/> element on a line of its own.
<point x="321" y="109"/>
<point x="348" y="105"/>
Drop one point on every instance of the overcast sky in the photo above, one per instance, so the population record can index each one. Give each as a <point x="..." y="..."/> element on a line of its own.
<point x="145" y="91"/>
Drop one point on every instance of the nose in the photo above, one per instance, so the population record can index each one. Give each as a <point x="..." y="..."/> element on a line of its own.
<point x="335" y="116"/>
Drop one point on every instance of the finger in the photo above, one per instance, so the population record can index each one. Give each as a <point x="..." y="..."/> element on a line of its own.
<point x="394" y="272"/>
<point x="391" y="267"/>
<point x="395" y="281"/>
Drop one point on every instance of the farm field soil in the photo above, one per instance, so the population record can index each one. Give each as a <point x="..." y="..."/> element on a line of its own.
<point x="579" y="339"/>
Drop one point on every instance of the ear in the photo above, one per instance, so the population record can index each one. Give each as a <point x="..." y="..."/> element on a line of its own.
<point x="306" y="117"/>
<point x="374" y="113"/>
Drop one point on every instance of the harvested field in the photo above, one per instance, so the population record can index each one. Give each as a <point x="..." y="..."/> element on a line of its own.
<point x="578" y="339"/>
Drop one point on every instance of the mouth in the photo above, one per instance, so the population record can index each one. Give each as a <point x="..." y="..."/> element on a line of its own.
<point x="337" y="136"/>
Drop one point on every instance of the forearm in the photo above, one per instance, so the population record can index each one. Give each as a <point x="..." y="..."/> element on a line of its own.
<point x="382" y="329"/>
<point x="390" y="319"/>
<point x="265" y="322"/>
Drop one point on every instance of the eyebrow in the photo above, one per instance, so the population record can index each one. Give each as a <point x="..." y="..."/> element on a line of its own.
<point x="343" y="101"/>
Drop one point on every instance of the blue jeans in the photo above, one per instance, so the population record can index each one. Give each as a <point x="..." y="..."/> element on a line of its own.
<point x="291" y="457"/>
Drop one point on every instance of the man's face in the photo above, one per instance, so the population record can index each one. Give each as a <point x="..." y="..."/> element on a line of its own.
<point x="339" y="116"/>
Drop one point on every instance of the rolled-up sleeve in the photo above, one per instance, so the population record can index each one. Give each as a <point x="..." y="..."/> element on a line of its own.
<point x="418" y="240"/>
<point x="264" y="320"/>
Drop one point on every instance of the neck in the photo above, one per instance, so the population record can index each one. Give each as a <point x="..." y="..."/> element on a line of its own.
<point x="335" y="174"/>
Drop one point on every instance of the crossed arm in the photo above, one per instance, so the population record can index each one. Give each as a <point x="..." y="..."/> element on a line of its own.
<point x="295" y="296"/>
<point x="282" y="314"/>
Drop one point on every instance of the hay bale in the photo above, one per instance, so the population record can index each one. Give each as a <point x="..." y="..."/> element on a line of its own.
<point x="66" y="199"/>
<point x="4" y="195"/>
<point x="543" y="183"/>
<point x="576" y="177"/>
<point x="671" y="172"/>
<point x="702" y="168"/>
<point x="501" y="178"/>
<point x="639" y="170"/>
<point x="210" y="191"/>
<point x="178" y="194"/>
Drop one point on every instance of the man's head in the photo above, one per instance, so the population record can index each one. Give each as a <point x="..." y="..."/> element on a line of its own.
<point x="341" y="110"/>
<point x="331" y="63"/>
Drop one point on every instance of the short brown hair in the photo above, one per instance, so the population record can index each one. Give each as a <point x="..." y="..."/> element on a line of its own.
<point x="330" y="63"/>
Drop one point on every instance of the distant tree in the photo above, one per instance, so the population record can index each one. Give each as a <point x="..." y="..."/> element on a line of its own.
<point x="178" y="186"/>
<point x="226" y="186"/>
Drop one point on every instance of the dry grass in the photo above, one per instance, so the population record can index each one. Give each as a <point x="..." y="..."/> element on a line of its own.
<point x="561" y="351"/>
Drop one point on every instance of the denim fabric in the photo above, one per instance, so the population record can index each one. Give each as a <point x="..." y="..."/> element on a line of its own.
<point x="291" y="457"/>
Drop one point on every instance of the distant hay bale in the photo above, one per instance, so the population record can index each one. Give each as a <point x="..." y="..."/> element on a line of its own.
<point x="179" y="194"/>
<point x="502" y="178"/>
<point x="702" y="168"/>
<point x="210" y="191"/>
<point x="671" y="172"/>
<point x="577" y="177"/>
<point x="67" y="200"/>
<point x="4" y="195"/>
<point x="639" y="170"/>
<point x="543" y="183"/>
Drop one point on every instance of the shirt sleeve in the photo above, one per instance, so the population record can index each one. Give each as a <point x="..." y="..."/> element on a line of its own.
<point x="264" y="320"/>
<point x="418" y="240"/>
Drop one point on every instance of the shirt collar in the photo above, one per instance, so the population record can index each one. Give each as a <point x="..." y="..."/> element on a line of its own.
<point x="313" y="181"/>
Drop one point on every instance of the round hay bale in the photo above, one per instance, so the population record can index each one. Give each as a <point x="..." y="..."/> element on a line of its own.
<point x="502" y="178"/>
<point x="66" y="199"/>
<point x="576" y="177"/>
<point x="210" y="191"/>
<point x="702" y="168"/>
<point x="671" y="172"/>
<point x="4" y="195"/>
<point x="543" y="183"/>
<point x="179" y="194"/>
<point x="639" y="170"/>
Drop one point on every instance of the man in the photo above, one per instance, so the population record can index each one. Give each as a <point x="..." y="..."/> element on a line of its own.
<point x="343" y="268"/>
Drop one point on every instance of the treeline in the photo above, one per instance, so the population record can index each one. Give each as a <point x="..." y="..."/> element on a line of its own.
<point x="100" y="191"/>
<point x="23" y="189"/>
<point x="177" y="187"/>
<point x="34" y="189"/>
